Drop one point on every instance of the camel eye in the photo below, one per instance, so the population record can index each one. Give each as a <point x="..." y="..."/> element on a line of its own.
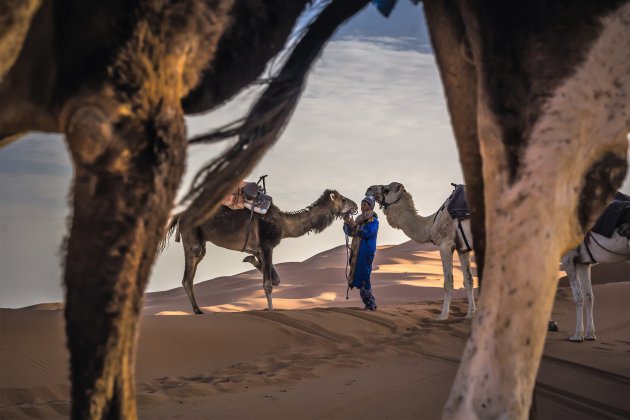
<point x="386" y="190"/>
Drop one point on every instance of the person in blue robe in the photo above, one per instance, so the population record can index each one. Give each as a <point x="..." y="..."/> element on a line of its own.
<point x="363" y="230"/>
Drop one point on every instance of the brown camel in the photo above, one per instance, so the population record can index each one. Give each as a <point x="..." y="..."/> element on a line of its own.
<point x="116" y="77"/>
<point x="228" y="229"/>
<point x="538" y="97"/>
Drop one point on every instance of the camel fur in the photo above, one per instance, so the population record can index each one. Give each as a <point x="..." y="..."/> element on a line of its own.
<point x="228" y="229"/>
<point x="538" y="97"/>
<point x="577" y="264"/>
<point x="439" y="228"/>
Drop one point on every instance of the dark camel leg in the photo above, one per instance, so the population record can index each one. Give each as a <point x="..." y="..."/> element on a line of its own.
<point x="194" y="251"/>
<point x="275" y="278"/>
<point x="127" y="170"/>
<point x="267" y="266"/>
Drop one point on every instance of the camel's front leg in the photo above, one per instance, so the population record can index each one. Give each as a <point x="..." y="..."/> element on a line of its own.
<point x="446" y="254"/>
<point x="127" y="170"/>
<point x="267" y="269"/>
<point x="584" y="276"/>
<point x="275" y="278"/>
<point x="464" y="259"/>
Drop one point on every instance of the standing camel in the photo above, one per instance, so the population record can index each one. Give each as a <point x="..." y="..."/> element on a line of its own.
<point x="228" y="228"/>
<point x="537" y="93"/>
<point x="594" y="249"/>
<point x="439" y="228"/>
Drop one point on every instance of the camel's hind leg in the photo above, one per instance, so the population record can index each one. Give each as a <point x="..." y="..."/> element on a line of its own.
<point x="570" y="265"/>
<point x="584" y="276"/>
<point x="464" y="259"/>
<point x="255" y="261"/>
<point x="194" y="251"/>
<point x="446" y="253"/>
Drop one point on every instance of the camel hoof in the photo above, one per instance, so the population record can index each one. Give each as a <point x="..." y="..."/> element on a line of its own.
<point x="590" y="337"/>
<point x="198" y="311"/>
<point x="553" y="326"/>
<point x="470" y="316"/>
<point x="442" y="317"/>
<point x="576" y="338"/>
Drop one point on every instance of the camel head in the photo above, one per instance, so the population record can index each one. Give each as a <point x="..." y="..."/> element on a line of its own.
<point x="338" y="204"/>
<point x="386" y="194"/>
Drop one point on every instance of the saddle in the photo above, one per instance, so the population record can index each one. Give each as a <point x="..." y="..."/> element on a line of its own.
<point x="615" y="214"/>
<point x="458" y="209"/>
<point x="458" y="205"/>
<point x="250" y="196"/>
<point x="255" y="198"/>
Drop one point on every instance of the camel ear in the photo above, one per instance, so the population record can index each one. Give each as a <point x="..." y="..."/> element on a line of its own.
<point x="333" y="196"/>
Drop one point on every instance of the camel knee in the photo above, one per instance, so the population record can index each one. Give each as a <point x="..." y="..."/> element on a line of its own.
<point x="268" y="288"/>
<point x="198" y="252"/>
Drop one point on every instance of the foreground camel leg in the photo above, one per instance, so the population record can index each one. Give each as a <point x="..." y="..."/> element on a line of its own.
<point x="464" y="259"/>
<point x="541" y="194"/>
<point x="126" y="174"/>
<point x="584" y="275"/>
<point x="446" y="255"/>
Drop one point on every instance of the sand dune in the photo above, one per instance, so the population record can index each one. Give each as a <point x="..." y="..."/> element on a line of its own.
<point x="324" y="359"/>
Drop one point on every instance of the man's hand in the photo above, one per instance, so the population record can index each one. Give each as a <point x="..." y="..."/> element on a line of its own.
<point x="348" y="219"/>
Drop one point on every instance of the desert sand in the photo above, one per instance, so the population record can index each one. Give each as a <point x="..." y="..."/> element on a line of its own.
<point x="320" y="356"/>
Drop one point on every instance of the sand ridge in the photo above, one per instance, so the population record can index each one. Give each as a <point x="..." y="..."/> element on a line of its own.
<point x="325" y="358"/>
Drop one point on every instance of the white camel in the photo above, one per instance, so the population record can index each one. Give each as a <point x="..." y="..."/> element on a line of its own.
<point x="595" y="249"/>
<point x="439" y="228"/>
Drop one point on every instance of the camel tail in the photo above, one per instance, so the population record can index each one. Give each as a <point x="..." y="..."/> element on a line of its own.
<point x="173" y="226"/>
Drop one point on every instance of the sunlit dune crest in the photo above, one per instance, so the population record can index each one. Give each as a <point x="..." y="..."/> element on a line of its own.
<point x="174" y="313"/>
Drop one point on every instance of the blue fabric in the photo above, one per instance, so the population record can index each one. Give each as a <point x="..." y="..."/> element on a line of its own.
<point x="363" y="268"/>
<point x="366" y="295"/>
<point x="384" y="6"/>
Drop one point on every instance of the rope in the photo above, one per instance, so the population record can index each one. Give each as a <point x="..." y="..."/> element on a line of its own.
<point x="347" y="265"/>
<point x="606" y="249"/>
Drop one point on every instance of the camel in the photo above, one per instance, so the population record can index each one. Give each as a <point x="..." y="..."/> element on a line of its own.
<point x="439" y="228"/>
<point x="537" y="93"/>
<point x="228" y="229"/>
<point x="578" y="262"/>
<point x="117" y="77"/>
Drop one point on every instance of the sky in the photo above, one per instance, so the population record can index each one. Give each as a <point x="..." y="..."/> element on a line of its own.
<point x="373" y="112"/>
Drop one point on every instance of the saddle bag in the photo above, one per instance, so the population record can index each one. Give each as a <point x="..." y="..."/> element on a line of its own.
<point x="255" y="199"/>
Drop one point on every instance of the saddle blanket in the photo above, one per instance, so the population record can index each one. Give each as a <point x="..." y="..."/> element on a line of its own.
<point x="615" y="214"/>
<point x="458" y="205"/>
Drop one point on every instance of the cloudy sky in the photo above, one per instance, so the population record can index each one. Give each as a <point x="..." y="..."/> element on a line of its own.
<point x="373" y="112"/>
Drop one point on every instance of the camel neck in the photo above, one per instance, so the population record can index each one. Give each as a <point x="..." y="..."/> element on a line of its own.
<point x="315" y="219"/>
<point x="403" y="215"/>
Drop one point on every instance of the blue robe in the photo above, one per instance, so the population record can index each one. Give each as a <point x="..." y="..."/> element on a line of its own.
<point x="365" y="257"/>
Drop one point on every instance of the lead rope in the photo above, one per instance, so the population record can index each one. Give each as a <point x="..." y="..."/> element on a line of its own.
<point x="347" y="264"/>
